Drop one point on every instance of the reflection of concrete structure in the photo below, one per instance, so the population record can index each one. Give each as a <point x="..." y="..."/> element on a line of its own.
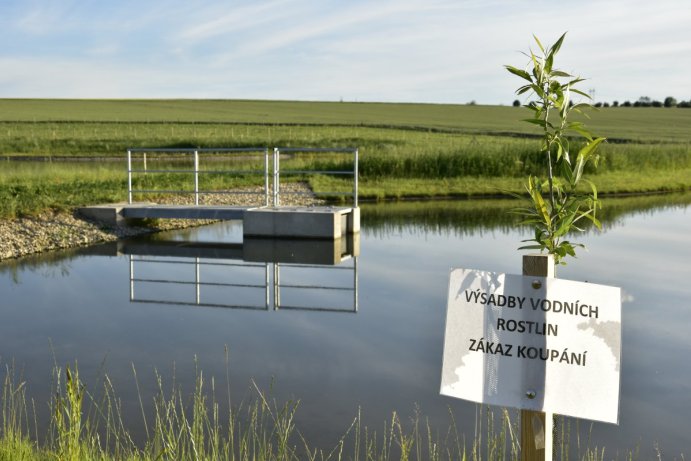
<point x="325" y="252"/>
<point x="317" y="222"/>
<point x="305" y="275"/>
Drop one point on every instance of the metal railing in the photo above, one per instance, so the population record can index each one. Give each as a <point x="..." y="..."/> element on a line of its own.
<point x="195" y="171"/>
<point x="297" y="150"/>
<point x="276" y="173"/>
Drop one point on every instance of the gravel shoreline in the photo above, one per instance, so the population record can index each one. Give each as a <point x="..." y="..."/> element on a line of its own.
<point x="59" y="230"/>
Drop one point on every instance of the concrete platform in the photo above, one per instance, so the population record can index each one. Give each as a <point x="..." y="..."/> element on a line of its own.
<point x="184" y="212"/>
<point x="301" y="222"/>
<point x="118" y="213"/>
<point x="323" y="222"/>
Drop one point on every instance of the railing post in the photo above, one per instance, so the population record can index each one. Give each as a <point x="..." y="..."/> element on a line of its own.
<point x="267" y="282"/>
<point x="537" y="427"/>
<point x="355" y="179"/>
<point x="277" y="156"/>
<point x="266" y="177"/>
<point x="129" y="176"/>
<point x="196" y="177"/>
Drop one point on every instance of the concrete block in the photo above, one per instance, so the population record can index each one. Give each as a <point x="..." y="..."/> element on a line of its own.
<point x="109" y="214"/>
<point x="300" y="222"/>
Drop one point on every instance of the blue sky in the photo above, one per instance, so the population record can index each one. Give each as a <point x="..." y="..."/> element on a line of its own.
<point x="438" y="51"/>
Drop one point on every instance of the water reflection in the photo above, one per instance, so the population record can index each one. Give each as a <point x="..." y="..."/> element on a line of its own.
<point x="317" y="275"/>
<point x="479" y="217"/>
<point x="75" y="305"/>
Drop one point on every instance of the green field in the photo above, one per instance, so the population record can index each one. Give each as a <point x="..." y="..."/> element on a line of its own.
<point x="406" y="150"/>
<point x="620" y="123"/>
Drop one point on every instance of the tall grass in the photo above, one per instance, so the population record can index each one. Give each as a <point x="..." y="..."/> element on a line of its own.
<point x="384" y="152"/>
<point x="29" y="188"/>
<point x="63" y="186"/>
<point x="87" y="423"/>
<point x="395" y="162"/>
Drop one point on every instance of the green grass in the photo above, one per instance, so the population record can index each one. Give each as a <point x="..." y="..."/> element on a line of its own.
<point x="647" y="124"/>
<point x="406" y="150"/>
<point x="86" y="422"/>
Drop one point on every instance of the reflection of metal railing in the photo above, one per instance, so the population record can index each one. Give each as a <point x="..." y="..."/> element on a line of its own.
<point x="306" y="291"/>
<point x="280" y="288"/>
<point x="195" y="171"/>
<point x="197" y="283"/>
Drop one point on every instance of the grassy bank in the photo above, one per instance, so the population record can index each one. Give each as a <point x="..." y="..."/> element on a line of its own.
<point x="64" y="187"/>
<point x="86" y="422"/>
<point x="406" y="150"/>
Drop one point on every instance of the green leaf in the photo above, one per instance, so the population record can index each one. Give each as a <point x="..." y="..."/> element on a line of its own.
<point x="537" y="67"/>
<point x="582" y="131"/>
<point x="536" y="121"/>
<point x="540" y="204"/>
<point x="581" y="93"/>
<point x="523" y="89"/>
<point x="566" y="172"/>
<point x="590" y="148"/>
<point x="582" y="105"/>
<point x="560" y="150"/>
<point x="565" y="225"/>
<point x="557" y="45"/>
<point x="538" y="90"/>
<point x="564" y="109"/>
<point x="531" y="247"/>
<point x="537" y="40"/>
<point x="596" y="221"/>
<point x="548" y="63"/>
<point x="519" y="72"/>
<point x="558" y="73"/>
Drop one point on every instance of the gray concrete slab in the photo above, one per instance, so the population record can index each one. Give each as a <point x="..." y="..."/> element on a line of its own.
<point x="183" y="212"/>
<point x="301" y="222"/>
<point x="117" y="213"/>
<point x="321" y="222"/>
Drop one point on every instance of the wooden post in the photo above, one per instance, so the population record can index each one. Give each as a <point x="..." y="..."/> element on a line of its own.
<point x="537" y="427"/>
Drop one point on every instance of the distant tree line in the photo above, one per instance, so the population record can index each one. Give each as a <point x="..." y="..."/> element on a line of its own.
<point x="643" y="101"/>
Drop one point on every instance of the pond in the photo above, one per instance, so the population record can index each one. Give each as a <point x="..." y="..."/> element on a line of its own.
<point x="347" y="329"/>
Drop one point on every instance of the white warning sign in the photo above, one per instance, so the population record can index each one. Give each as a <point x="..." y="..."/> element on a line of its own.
<point x="534" y="343"/>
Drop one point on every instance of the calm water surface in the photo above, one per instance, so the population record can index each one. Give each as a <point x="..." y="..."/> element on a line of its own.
<point x="366" y="333"/>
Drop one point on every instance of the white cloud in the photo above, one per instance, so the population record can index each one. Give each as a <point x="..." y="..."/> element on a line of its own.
<point x="238" y="19"/>
<point x="406" y="50"/>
